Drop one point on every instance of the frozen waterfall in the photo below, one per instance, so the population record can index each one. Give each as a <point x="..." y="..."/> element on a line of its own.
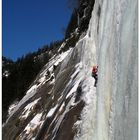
<point x="113" y="32"/>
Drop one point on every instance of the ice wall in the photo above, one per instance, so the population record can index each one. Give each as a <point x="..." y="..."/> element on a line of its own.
<point x="117" y="92"/>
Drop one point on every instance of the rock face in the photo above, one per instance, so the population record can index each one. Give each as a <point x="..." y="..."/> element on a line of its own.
<point x="62" y="103"/>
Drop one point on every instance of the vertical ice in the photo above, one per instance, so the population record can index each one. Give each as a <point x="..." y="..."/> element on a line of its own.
<point x="117" y="93"/>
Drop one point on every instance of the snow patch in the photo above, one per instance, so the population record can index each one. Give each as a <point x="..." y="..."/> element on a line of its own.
<point x="32" y="89"/>
<point x="28" y="108"/>
<point x="62" y="46"/>
<point x="42" y="79"/>
<point x="12" y="107"/>
<point x="62" y="106"/>
<point x="73" y="90"/>
<point x="33" y="123"/>
<point x="52" y="110"/>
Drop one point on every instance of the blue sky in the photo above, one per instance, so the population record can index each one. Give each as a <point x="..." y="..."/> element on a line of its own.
<point x="30" y="24"/>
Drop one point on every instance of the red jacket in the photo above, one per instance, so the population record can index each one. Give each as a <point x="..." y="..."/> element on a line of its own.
<point x="94" y="69"/>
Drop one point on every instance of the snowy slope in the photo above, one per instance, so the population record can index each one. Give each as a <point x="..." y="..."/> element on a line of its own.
<point x="31" y="108"/>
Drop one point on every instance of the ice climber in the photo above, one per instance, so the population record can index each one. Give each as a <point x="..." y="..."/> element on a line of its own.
<point x="94" y="74"/>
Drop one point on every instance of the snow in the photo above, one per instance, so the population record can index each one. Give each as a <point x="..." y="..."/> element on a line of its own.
<point x="61" y="117"/>
<point x="62" y="106"/>
<point x="73" y="90"/>
<point x="33" y="126"/>
<point x="62" y="57"/>
<point x="34" y="123"/>
<point x="12" y="107"/>
<point x="53" y="81"/>
<point x="32" y="89"/>
<point x="42" y="79"/>
<point x="28" y="108"/>
<point x="30" y="93"/>
<point x="52" y="110"/>
<point x="62" y="46"/>
<point x="51" y="69"/>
